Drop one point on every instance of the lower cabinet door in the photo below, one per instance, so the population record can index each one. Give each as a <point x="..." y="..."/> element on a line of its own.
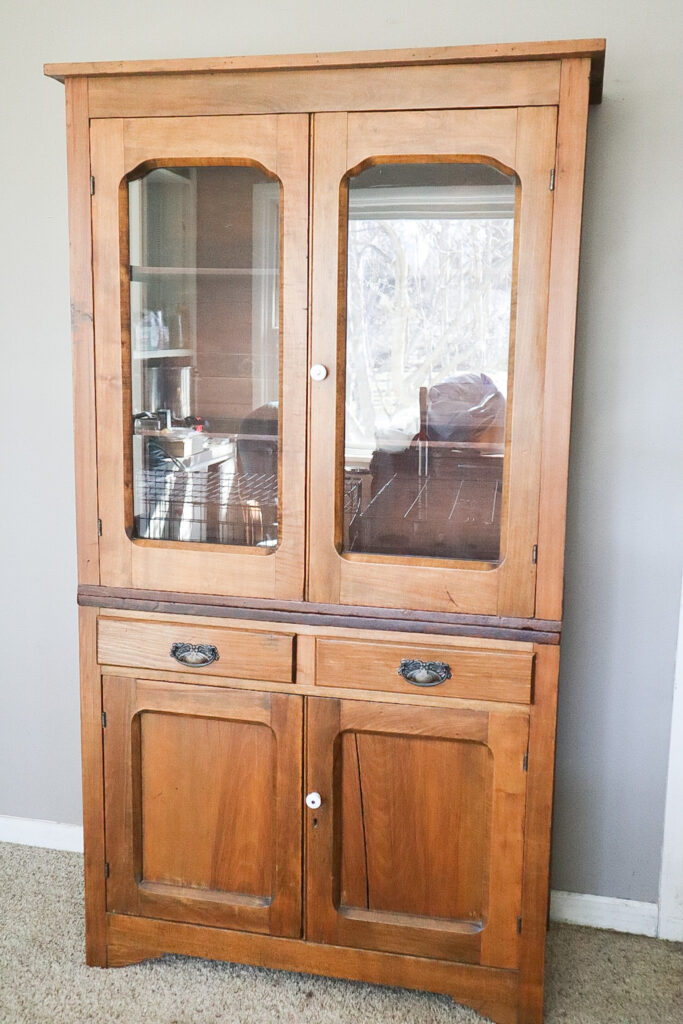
<point x="203" y="804"/>
<point x="416" y="845"/>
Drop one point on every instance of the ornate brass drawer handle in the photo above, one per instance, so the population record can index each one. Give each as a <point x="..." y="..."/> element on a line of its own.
<point x="196" y="655"/>
<point x="424" y="673"/>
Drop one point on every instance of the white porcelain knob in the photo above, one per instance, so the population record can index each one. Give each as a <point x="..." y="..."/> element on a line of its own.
<point x="318" y="372"/>
<point x="313" y="800"/>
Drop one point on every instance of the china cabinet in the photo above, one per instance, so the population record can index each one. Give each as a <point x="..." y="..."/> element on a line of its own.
<point x="323" y="314"/>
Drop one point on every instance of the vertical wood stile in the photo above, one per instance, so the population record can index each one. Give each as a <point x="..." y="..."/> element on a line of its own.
<point x="82" y="328"/>
<point x="564" y="275"/>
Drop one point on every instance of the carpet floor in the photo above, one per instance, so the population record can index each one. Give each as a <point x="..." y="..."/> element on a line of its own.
<point x="594" y="977"/>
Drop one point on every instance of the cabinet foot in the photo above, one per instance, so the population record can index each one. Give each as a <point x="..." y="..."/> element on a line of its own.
<point x="125" y="956"/>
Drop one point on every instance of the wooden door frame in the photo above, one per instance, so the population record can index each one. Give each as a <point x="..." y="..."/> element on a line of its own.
<point x="519" y="140"/>
<point x="125" y="698"/>
<point x="279" y="143"/>
<point x="505" y="733"/>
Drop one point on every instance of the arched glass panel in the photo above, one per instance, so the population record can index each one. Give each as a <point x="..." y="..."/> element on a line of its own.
<point x="428" y="328"/>
<point x="205" y="354"/>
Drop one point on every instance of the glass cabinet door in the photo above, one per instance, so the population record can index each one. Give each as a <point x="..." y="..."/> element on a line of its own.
<point x="442" y="244"/>
<point x="201" y="411"/>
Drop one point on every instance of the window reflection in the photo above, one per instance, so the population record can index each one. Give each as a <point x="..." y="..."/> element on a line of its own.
<point x="429" y="283"/>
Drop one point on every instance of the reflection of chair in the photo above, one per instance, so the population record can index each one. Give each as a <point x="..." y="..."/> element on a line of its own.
<point x="255" y="489"/>
<point x="440" y="496"/>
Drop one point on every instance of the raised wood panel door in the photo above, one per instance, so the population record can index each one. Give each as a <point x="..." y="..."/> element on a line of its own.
<point x="431" y="250"/>
<point x="417" y="845"/>
<point x="203" y="805"/>
<point x="200" y="236"/>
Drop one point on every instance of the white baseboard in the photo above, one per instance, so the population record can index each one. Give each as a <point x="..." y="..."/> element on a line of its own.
<point x="569" y="907"/>
<point x="604" y="912"/>
<point x="32" y="832"/>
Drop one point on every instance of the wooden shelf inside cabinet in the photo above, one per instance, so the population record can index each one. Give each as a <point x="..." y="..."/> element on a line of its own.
<point x="374" y="308"/>
<point x="163" y="353"/>
<point x="139" y="273"/>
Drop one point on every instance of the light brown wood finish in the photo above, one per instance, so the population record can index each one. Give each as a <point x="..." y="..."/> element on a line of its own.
<point x="491" y="992"/>
<point x="82" y="334"/>
<point x="524" y="142"/>
<point x="298" y="91"/>
<point x="242" y="654"/>
<point x="93" y="790"/>
<point x="477" y="674"/>
<point x="280" y="144"/>
<point x="448" y="761"/>
<point x="564" y="271"/>
<point x="203" y="805"/>
<point x="419" y="780"/>
<point x="498" y="52"/>
<point x="536" y="885"/>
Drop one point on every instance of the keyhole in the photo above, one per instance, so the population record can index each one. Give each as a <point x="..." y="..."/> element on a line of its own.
<point x="315" y="823"/>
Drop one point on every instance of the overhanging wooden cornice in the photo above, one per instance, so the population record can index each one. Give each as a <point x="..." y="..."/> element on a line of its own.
<point x="592" y="48"/>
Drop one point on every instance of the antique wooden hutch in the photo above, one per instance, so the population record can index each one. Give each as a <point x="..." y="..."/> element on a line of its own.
<point x="323" y="322"/>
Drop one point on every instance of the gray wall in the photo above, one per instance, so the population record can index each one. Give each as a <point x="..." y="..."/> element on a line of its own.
<point x="624" y="542"/>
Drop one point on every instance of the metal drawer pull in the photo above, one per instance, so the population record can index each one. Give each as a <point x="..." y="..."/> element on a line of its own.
<point x="196" y="655"/>
<point x="424" y="673"/>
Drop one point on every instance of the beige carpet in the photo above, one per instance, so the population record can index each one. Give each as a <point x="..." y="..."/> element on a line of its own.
<point x="594" y="977"/>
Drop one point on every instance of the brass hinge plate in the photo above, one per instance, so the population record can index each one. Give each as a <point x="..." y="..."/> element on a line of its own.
<point x="104" y="719"/>
<point x="92" y="184"/>
<point x="552" y="180"/>
<point x="99" y="527"/>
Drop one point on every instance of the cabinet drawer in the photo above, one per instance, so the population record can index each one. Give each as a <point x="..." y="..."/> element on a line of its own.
<point x="469" y="673"/>
<point x="236" y="653"/>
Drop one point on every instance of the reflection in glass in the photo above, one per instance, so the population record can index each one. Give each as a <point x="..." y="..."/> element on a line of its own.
<point x="204" y="329"/>
<point x="429" y="287"/>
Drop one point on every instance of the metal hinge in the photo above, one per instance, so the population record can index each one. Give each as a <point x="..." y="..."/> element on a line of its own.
<point x="99" y="527"/>
<point x="106" y="869"/>
<point x="92" y="184"/>
<point x="104" y="719"/>
<point x="519" y="926"/>
<point x="534" y="554"/>
<point x="552" y="180"/>
<point x="525" y="762"/>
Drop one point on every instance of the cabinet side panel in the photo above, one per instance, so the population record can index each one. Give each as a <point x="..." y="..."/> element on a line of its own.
<point x="93" y="791"/>
<point x="564" y="274"/>
<point x="541" y="764"/>
<point x="83" y="351"/>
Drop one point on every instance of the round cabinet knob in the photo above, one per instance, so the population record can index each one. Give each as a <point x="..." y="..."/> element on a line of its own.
<point x="313" y="800"/>
<point x="318" y="372"/>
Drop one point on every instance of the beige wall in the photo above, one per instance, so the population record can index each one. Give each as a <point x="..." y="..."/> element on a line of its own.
<point x="624" y="539"/>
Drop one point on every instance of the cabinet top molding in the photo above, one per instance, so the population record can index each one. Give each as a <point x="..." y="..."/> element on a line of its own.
<point x="573" y="48"/>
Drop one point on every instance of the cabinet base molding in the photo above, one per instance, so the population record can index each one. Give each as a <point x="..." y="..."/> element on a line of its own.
<point x="490" y="991"/>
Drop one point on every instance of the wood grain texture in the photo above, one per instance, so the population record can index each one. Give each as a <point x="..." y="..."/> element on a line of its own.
<point x="242" y="654"/>
<point x="564" y="271"/>
<point x="483" y="675"/>
<point x="501" y="53"/>
<point x="203" y="804"/>
<point x="82" y="336"/>
<point x="366" y="617"/>
<point x="489" y="991"/>
<point x="421" y="787"/>
<point x="93" y="790"/>
<point x="536" y="885"/>
<point x="118" y="147"/>
<point x="293" y="91"/>
<point x="522" y="141"/>
<point x="534" y="159"/>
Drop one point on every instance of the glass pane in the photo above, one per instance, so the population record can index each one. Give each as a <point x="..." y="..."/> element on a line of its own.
<point x="429" y="289"/>
<point x="205" y="353"/>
